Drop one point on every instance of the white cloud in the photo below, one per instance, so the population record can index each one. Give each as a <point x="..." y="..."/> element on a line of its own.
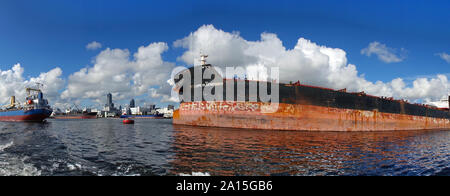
<point x="422" y="88"/>
<point x="163" y="92"/>
<point x="384" y="53"/>
<point x="113" y="71"/>
<point x="93" y="45"/>
<point x="444" y="56"/>
<point x="145" y="72"/>
<point x="439" y="104"/>
<point x="307" y="61"/>
<point x="52" y="83"/>
<point x="12" y="83"/>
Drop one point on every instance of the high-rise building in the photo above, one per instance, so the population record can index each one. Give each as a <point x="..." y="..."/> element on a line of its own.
<point x="109" y="100"/>
<point x="132" y="103"/>
<point x="170" y="107"/>
<point x="109" y="106"/>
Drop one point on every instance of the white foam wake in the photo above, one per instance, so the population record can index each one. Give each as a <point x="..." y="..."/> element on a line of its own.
<point x="5" y="146"/>
<point x="15" y="166"/>
<point x="11" y="165"/>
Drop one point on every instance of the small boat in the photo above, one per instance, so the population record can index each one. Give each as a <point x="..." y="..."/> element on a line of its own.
<point x="128" y="121"/>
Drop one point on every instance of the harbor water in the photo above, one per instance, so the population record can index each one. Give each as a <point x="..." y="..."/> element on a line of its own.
<point x="156" y="147"/>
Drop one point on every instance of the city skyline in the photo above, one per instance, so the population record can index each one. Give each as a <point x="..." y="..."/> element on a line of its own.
<point x="109" y="101"/>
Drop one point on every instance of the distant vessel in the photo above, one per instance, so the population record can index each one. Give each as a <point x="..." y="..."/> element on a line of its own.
<point x="74" y="113"/>
<point x="143" y="116"/>
<point x="35" y="108"/>
<point x="81" y="115"/>
<point x="301" y="107"/>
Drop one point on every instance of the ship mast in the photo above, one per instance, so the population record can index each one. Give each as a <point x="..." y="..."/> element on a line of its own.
<point x="34" y="89"/>
<point x="203" y="59"/>
<point x="448" y="101"/>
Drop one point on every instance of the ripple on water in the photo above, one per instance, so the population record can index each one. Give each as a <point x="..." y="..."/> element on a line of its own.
<point x="11" y="165"/>
<point x="156" y="147"/>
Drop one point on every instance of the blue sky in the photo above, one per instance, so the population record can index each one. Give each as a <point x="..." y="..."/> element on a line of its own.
<point x="48" y="33"/>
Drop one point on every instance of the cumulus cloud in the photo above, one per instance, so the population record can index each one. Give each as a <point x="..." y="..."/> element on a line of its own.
<point x="163" y="93"/>
<point x="384" y="53"/>
<point x="444" y="56"/>
<point x="115" y="71"/>
<point x="307" y="61"/>
<point x="12" y="83"/>
<point x="144" y="72"/>
<point x="93" y="45"/>
<point x="439" y="104"/>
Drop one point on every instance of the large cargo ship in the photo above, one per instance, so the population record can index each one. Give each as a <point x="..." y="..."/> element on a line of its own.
<point x="150" y="116"/>
<point x="35" y="108"/>
<point x="75" y="115"/>
<point x="304" y="107"/>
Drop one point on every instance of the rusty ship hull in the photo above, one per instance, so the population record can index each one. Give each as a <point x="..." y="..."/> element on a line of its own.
<point x="299" y="117"/>
<point x="303" y="107"/>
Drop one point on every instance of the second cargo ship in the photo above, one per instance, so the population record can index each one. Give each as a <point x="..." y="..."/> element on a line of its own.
<point x="304" y="107"/>
<point x="74" y="113"/>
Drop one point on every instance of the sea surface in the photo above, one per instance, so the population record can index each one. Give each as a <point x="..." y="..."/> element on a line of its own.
<point x="156" y="147"/>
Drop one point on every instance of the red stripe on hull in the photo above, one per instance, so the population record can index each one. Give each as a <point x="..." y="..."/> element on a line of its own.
<point x="24" y="118"/>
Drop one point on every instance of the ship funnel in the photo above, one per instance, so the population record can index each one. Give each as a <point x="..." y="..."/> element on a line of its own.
<point x="13" y="100"/>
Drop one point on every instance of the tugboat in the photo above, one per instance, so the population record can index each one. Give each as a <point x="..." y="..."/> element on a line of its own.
<point x="35" y="108"/>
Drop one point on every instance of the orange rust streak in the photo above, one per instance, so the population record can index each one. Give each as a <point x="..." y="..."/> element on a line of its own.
<point x="298" y="117"/>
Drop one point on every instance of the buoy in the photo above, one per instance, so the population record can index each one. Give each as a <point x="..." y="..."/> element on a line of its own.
<point x="128" y="121"/>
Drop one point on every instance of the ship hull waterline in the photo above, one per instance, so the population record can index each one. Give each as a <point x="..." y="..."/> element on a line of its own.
<point x="252" y="115"/>
<point x="35" y="115"/>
